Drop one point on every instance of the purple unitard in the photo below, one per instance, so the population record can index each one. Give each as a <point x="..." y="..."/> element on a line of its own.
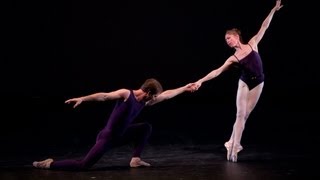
<point x="119" y="128"/>
<point x="252" y="70"/>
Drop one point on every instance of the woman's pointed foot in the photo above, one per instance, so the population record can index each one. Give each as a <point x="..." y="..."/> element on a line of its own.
<point x="234" y="154"/>
<point x="229" y="150"/>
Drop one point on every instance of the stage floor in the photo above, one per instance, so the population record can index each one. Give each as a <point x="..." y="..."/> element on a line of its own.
<point x="175" y="161"/>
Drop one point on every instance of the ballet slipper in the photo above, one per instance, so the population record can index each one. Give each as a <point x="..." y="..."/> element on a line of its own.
<point x="229" y="150"/>
<point x="45" y="164"/>
<point x="235" y="151"/>
<point x="137" y="162"/>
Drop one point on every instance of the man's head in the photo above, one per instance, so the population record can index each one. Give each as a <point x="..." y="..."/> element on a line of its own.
<point x="152" y="87"/>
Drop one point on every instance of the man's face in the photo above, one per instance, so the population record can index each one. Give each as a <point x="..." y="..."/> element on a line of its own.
<point x="149" y="96"/>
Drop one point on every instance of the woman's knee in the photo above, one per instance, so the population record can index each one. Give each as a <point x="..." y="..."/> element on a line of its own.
<point x="240" y="115"/>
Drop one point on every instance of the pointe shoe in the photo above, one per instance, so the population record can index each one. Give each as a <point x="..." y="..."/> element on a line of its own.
<point x="229" y="150"/>
<point x="235" y="151"/>
<point x="43" y="164"/>
<point x="138" y="162"/>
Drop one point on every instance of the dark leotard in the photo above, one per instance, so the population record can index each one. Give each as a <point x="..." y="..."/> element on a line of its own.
<point x="252" y="69"/>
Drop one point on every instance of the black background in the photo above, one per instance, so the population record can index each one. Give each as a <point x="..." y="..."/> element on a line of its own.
<point x="56" y="50"/>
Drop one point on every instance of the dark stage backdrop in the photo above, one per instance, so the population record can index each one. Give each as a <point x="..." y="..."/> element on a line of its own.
<point x="58" y="50"/>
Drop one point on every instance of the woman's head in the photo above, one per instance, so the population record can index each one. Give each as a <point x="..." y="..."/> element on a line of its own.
<point x="233" y="37"/>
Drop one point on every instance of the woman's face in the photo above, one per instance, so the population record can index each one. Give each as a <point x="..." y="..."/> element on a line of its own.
<point x="232" y="40"/>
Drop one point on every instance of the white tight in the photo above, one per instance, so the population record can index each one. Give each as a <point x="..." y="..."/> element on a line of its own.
<point x="246" y="101"/>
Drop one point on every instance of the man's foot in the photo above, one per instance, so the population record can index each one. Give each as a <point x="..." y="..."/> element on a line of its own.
<point x="45" y="164"/>
<point x="137" y="162"/>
